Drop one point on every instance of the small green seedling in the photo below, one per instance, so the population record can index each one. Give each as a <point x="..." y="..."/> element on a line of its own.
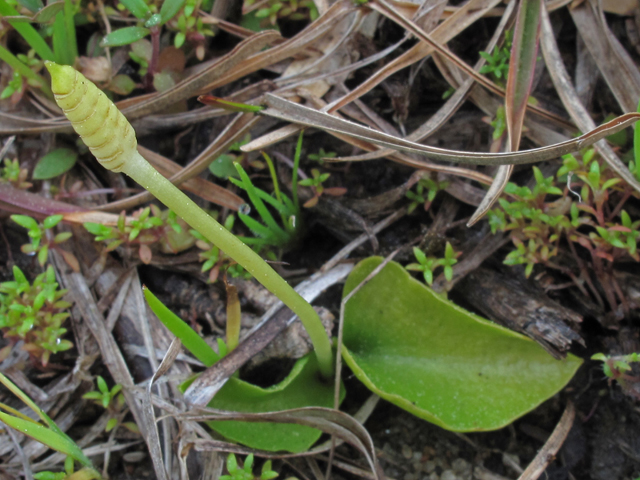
<point x="498" y="61"/>
<point x="42" y="242"/>
<point x="499" y="123"/>
<point x="14" y="88"/>
<point x="426" y="191"/>
<point x="315" y="183"/>
<point x="15" y="175"/>
<point x="246" y="472"/>
<point x="69" y="473"/>
<point x="214" y="260"/>
<point x="34" y="313"/>
<point x="616" y="367"/>
<point x="290" y="9"/>
<point x="109" y="399"/>
<point x="149" y="226"/>
<point x="427" y="265"/>
<point x="321" y="155"/>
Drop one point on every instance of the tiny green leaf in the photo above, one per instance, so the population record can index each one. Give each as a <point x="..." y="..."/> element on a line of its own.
<point x="170" y="9"/>
<point x="137" y="7"/>
<point x="124" y="36"/>
<point x="55" y="163"/>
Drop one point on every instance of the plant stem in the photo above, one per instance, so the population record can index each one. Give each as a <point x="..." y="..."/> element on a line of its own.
<point x="70" y="26"/>
<point x="143" y="173"/>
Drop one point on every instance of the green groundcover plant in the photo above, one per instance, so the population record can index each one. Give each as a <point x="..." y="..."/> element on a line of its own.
<point x="458" y="371"/>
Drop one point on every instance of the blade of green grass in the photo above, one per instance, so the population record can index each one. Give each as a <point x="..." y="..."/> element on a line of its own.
<point x="70" y="26"/>
<point x="30" y="34"/>
<point x="189" y="338"/>
<point x="60" y="41"/>
<point x="47" y="437"/>
<point x="264" y="213"/>
<point x="138" y="7"/>
<point x="294" y="174"/>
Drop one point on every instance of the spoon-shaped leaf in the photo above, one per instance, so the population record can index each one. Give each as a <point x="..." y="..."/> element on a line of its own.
<point x="303" y="387"/>
<point x="438" y="361"/>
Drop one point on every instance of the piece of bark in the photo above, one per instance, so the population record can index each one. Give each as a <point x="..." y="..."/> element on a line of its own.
<point x="520" y="306"/>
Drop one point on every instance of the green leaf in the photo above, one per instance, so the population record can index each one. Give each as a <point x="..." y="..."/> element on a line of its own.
<point x="301" y="388"/>
<point x="25" y="221"/>
<point x="124" y="36"/>
<point x="44" y="435"/>
<point x="190" y="339"/>
<point x="49" y="12"/>
<point x="170" y="9"/>
<point x="51" y="221"/>
<point x="440" y="362"/>
<point x="153" y="21"/>
<point x="55" y="163"/>
<point x="222" y="167"/>
<point x="32" y="5"/>
<point x="137" y="7"/>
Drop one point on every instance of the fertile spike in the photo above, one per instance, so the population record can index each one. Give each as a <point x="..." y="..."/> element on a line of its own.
<point x="102" y="127"/>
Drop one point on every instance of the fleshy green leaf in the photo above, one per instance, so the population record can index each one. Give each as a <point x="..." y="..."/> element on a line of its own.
<point x="301" y="388"/>
<point x="124" y="36"/>
<point x="440" y="362"/>
<point x="169" y="9"/>
<point x="55" y="163"/>
<point x="138" y="7"/>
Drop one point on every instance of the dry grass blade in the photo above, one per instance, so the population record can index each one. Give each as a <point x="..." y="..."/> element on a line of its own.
<point x="452" y="26"/>
<point x="154" y="447"/>
<point x="15" y="200"/>
<point x="114" y="361"/>
<point x="388" y="11"/>
<point x="551" y="447"/>
<point x="498" y="185"/>
<point x="618" y="69"/>
<point x="448" y="109"/>
<point x="570" y="100"/>
<point x="192" y="85"/>
<point x="291" y="112"/>
<point x="522" y="68"/>
<point x="521" y="71"/>
<point x="287" y="49"/>
<point x="330" y="421"/>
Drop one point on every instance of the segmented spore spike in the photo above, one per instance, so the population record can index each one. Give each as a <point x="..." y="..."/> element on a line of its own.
<point x="93" y="116"/>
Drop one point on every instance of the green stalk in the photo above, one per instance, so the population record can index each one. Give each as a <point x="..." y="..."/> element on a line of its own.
<point x="294" y="174"/>
<point x="151" y="180"/>
<point x="69" y="14"/>
<point x="276" y="186"/>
